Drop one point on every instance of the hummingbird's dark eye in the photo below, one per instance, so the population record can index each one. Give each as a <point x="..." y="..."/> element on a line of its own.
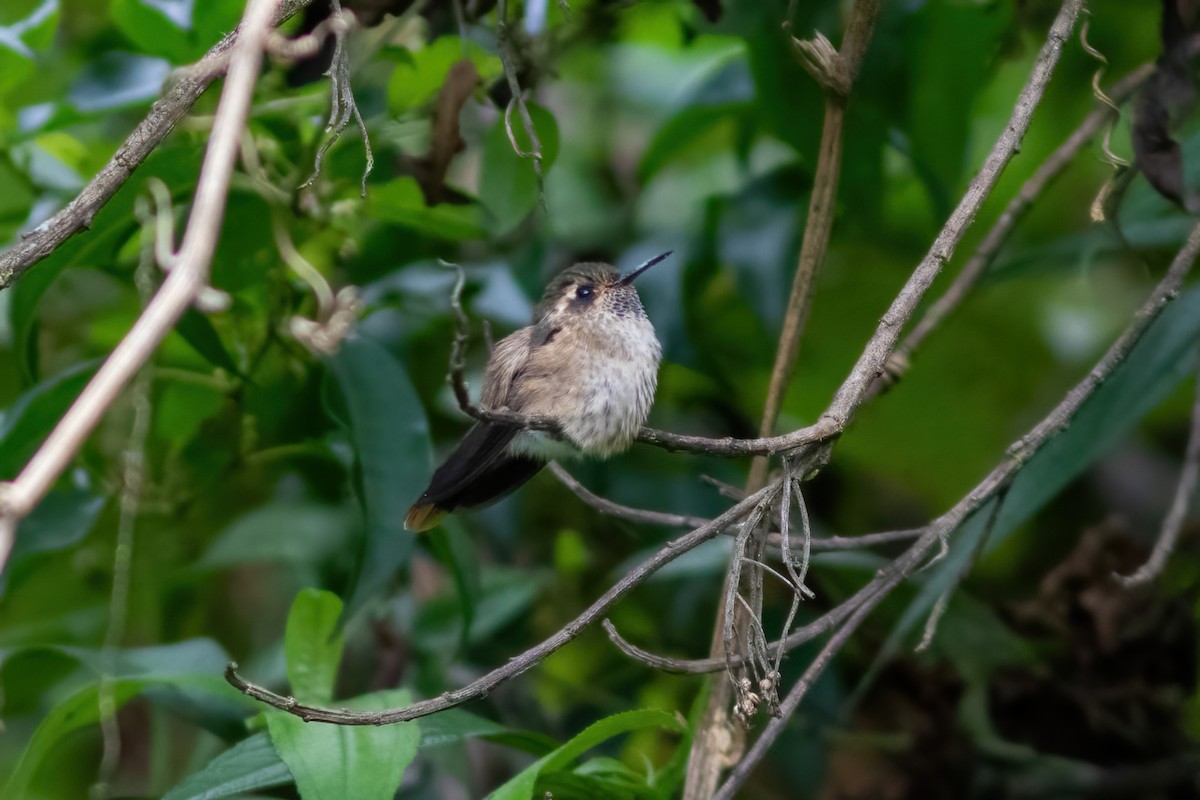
<point x="584" y="292"/>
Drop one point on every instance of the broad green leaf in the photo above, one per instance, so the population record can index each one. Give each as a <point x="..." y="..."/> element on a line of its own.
<point x="508" y="187"/>
<point x="20" y="40"/>
<point x="419" y="78"/>
<point x="334" y="762"/>
<point x="299" y="533"/>
<point x="26" y="423"/>
<point x="249" y="765"/>
<point x="950" y="59"/>
<point x="400" y="201"/>
<point x="60" y="520"/>
<point x="522" y="786"/>
<point x="198" y="331"/>
<point x="313" y="645"/>
<point x="253" y="764"/>
<point x="82" y="709"/>
<point x="158" y="28"/>
<point x="726" y="93"/>
<point x="387" y="426"/>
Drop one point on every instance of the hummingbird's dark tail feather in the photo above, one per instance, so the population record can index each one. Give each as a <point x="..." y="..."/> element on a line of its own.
<point x="479" y="472"/>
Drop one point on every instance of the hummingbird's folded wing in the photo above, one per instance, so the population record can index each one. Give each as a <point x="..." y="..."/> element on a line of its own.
<point x="479" y="471"/>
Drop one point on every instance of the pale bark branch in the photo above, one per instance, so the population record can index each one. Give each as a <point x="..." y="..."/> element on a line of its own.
<point x="187" y="278"/>
<point x="77" y="215"/>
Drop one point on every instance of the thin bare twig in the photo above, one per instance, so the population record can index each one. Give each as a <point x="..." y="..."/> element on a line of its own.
<point x="342" y="105"/>
<point x="836" y="71"/>
<point x="606" y="506"/>
<point x="183" y="283"/>
<point x="939" y="607"/>
<point x="150" y="132"/>
<point x="993" y="485"/>
<point x="1173" y="522"/>
<point x="518" y="664"/>
<point x="504" y="46"/>
<point x="1013" y="213"/>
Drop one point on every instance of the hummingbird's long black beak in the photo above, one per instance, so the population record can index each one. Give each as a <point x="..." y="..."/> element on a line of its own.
<point x="628" y="279"/>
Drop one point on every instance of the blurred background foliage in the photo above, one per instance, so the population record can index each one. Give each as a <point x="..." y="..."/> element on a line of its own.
<point x="271" y="473"/>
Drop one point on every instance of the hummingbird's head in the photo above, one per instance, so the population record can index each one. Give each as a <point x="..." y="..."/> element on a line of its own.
<point x="590" y="289"/>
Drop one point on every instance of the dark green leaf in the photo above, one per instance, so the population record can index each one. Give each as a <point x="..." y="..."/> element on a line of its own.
<point x="62" y="518"/>
<point x="298" y="533"/>
<point x="26" y="423"/>
<point x="522" y="786"/>
<point x="1166" y="354"/>
<point x="198" y="331"/>
<point x="249" y="765"/>
<point x="387" y="426"/>
<point x="508" y="188"/>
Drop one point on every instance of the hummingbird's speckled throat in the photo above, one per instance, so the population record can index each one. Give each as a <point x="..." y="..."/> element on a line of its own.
<point x="589" y="361"/>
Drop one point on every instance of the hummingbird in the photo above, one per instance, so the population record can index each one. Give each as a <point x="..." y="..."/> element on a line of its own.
<point x="589" y="362"/>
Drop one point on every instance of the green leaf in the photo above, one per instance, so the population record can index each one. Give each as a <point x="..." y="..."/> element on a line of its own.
<point x="522" y="786"/>
<point x="249" y="765"/>
<point x="387" y="426"/>
<point x="400" y="201"/>
<point x="198" y="331"/>
<point x="950" y="59"/>
<point x="297" y="533"/>
<point x="26" y="423"/>
<point x="153" y="30"/>
<point x="82" y="709"/>
<point x="508" y="187"/>
<point x="419" y="78"/>
<point x="313" y="645"/>
<point x="19" y="41"/>
<point x="60" y="520"/>
<point x="253" y="763"/>
<point x="333" y="762"/>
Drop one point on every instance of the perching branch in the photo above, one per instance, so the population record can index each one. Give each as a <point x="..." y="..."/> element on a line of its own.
<point x="150" y="132"/>
<point x="186" y="280"/>
<point x="518" y="664"/>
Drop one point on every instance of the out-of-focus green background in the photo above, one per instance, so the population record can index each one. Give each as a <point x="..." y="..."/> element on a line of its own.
<point x="666" y="125"/>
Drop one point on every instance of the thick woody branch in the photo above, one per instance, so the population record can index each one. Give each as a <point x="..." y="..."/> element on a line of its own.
<point x="150" y="132"/>
<point x="519" y="664"/>
<point x="187" y="278"/>
<point x="836" y="72"/>
<point x="988" y="490"/>
<point x="854" y="390"/>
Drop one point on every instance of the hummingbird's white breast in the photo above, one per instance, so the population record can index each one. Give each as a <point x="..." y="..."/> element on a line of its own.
<point x="597" y="378"/>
